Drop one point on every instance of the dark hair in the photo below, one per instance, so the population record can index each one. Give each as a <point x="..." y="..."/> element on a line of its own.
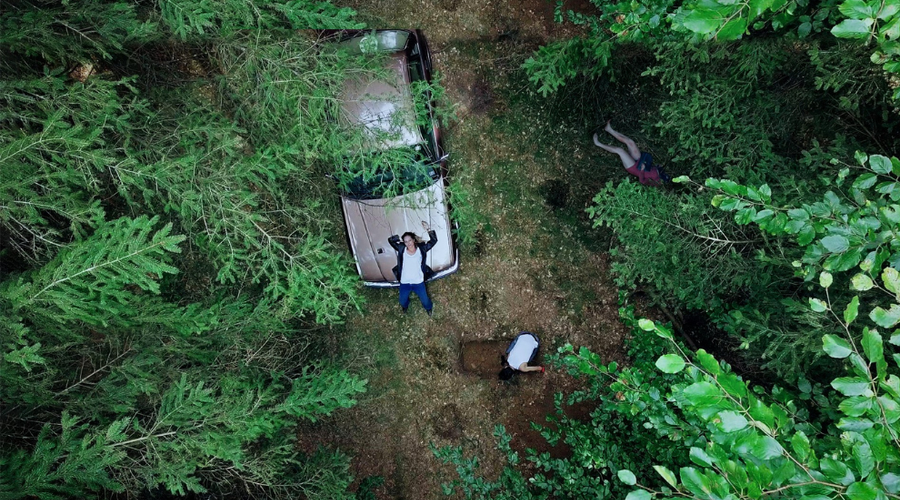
<point x="506" y="373"/>
<point x="409" y="233"/>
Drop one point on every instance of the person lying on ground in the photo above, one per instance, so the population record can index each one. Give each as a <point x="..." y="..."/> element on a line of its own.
<point x="636" y="163"/>
<point x="521" y="351"/>
<point x="411" y="270"/>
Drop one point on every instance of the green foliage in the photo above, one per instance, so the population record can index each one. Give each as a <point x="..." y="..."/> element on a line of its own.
<point x="728" y="108"/>
<point x="470" y="219"/>
<point x="127" y="366"/>
<point x="612" y="439"/>
<point x="725" y="437"/>
<point x="684" y="249"/>
<point x="70" y="32"/>
<point x="661" y="21"/>
<point x="431" y="102"/>
<point x="199" y="19"/>
<point x="50" y="122"/>
<point x="755" y="443"/>
<point x="124" y="252"/>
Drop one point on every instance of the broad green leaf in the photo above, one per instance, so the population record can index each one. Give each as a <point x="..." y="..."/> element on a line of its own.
<point x="825" y="279"/>
<point x="886" y="319"/>
<point x="745" y="215"/>
<point x="670" y="363"/>
<point x="865" y="460"/>
<point x="836" y="243"/>
<point x="762" y="413"/>
<point x="662" y="331"/>
<point x="861" y="282"/>
<point x="856" y="9"/>
<point x="891" y="409"/>
<point x="836" y="471"/>
<point x="856" y="406"/>
<point x="843" y="261"/>
<point x="891" y="482"/>
<point x="708" y="362"/>
<point x="817" y="305"/>
<point x="763" y="215"/>
<point x="800" y="444"/>
<point x="757" y="7"/>
<point x="892" y="385"/>
<point x="873" y="345"/>
<point x="700" y="457"/>
<point x="798" y="214"/>
<point x="861" y="491"/>
<point x="695" y="481"/>
<point x="733" y="29"/>
<point x="702" y="394"/>
<point x="761" y="447"/>
<point x="646" y="325"/>
<point x="638" y="495"/>
<point x="854" y="424"/>
<point x="733" y="385"/>
<point x="731" y="421"/>
<point x="666" y="474"/>
<point x="851" y="311"/>
<point x="703" y="22"/>
<point x="836" y="347"/>
<point x="681" y="178"/>
<point x="895" y="339"/>
<point x="891" y="279"/>
<point x="806" y="235"/>
<point x="858" y="365"/>
<point x="852" y="28"/>
<point x="865" y="181"/>
<point x="852" y="386"/>
<point x="627" y="477"/>
<point x="880" y="164"/>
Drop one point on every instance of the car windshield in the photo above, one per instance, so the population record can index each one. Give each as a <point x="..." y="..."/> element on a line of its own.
<point x="390" y="173"/>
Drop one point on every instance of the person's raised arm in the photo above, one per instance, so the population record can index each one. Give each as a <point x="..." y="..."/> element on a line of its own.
<point x="394" y="242"/>
<point x="432" y="236"/>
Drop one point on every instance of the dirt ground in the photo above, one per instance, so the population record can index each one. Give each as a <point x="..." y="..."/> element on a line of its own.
<point x="432" y="381"/>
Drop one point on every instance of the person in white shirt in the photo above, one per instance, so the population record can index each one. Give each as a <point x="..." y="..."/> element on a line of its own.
<point x="521" y="352"/>
<point x="411" y="269"/>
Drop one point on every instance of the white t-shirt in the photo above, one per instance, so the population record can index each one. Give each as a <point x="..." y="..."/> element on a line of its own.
<point x="412" y="268"/>
<point x="522" y="351"/>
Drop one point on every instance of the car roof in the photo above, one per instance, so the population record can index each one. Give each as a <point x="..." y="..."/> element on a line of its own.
<point x="382" y="104"/>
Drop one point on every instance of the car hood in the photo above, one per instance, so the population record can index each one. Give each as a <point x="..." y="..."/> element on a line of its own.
<point x="371" y="222"/>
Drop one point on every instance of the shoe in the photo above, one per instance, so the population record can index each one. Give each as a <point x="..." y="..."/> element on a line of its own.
<point x="404" y="309"/>
<point x="429" y="312"/>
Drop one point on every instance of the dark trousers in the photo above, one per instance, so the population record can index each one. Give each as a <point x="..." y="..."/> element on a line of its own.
<point x="419" y="290"/>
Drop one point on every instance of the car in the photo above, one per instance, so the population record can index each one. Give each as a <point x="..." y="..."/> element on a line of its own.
<point x="381" y="105"/>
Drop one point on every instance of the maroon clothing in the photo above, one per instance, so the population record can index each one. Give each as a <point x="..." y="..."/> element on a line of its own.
<point x="647" y="178"/>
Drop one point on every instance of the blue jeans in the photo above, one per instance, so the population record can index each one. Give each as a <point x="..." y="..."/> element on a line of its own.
<point x="419" y="290"/>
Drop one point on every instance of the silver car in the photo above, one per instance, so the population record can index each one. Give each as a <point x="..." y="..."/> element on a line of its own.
<point x="382" y="107"/>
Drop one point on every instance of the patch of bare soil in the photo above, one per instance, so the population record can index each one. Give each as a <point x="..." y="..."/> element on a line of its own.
<point x="432" y="381"/>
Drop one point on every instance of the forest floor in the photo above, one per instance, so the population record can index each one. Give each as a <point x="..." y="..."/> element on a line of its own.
<point x="538" y="266"/>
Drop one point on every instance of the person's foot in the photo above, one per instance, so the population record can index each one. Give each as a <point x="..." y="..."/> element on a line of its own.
<point x="404" y="309"/>
<point x="608" y="127"/>
<point x="597" y="141"/>
<point x="430" y="312"/>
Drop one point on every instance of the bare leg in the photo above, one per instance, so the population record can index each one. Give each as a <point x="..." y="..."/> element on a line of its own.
<point x="624" y="139"/>
<point x="627" y="160"/>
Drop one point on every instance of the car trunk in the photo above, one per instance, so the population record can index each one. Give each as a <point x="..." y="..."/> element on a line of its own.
<point x="371" y="222"/>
